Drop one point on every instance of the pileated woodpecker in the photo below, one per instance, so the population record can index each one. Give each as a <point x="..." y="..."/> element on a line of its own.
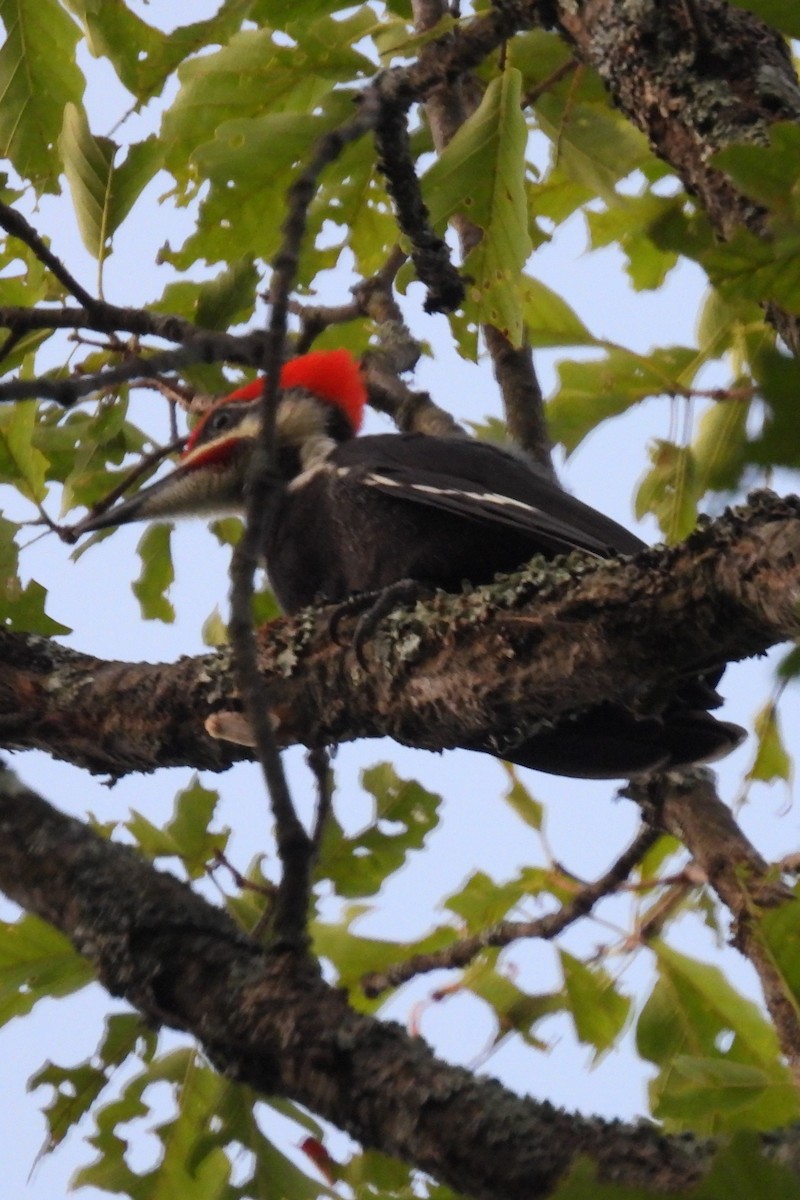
<point x="359" y="515"/>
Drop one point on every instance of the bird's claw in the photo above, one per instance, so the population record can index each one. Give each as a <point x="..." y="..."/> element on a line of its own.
<point x="373" y="607"/>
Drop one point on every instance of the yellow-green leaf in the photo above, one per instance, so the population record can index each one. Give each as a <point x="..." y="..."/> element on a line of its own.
<point x="36" y="961"/>
<point x="481" y="174"/>
<point x="28" y="465"/>
<point x="38" y="78"/>
<point x="157" y="574"/>
<point x="772" y="760"/>
<point x="102" y="193"/>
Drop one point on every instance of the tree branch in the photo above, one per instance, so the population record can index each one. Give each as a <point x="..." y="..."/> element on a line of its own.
<point x="268" y="1019"/>
<point x="695" y="79"/>
<point x="462" y="952"/>
<point x="687" y="806"/>
<point x="14" y="223"/>
<point x="478" y="670"/>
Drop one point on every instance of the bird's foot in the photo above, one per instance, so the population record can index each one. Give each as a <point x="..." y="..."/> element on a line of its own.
<point x="373" y="607"/>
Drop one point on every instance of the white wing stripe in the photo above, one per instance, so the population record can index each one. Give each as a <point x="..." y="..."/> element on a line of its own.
<point x="479" y="497"/>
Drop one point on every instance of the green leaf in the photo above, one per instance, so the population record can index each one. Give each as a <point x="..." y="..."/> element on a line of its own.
<point x="142" y="55"/>
<point x="772" y="760"/>
<point x="353" y="956"/>
<point x="250" y="163"/>
<point x="593" y="146"/>
<point x="25" y="465"/>
<point x="255" y="79"/>
<point x="775" y="12"/>
<point x="693" y="1016"/>
<point x="780" y="928"/>
<point x="627" y="224"/>
<point x="218" y="303"/>
<point x="102" y="194"/>
<point x="481" y="174"/>
<point x="670" y="490"/>
<point x="591" y="392"/>
<point x="581" y="1183"/>
<point x="157" y="574"/>
<point x="777" y="378"/>
<point x="355" y="198"/>
<point x="405" y="813"/>
<point x="723" y="323"/>
<point x="719" y="450"/>
<point x="597" y="1008"/>
<point x="514" y="1009"/>
<point x="759" y="269"/>
<point x="77" y="1088"/>
<point x="480" y="902"/>
<point x="768" y="174"/>
<point x="237" y="1116"/>
<point x="789" y="666"/>
<point x="186" y="835"/>
<point x="21" y="608"/>
<point x="36" y="961"/>
<point x="526" y="806"/>
<point x="652" y="862"/>
<point x="88" y="165"/>
<point x="197" y="1094"/>
<point x="549" y="320"/>
<point x="743" y="1170"/>
<point x="38" y="78"/>
<point x="214" y="631"/>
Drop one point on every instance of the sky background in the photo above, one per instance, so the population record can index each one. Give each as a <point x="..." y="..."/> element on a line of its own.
<point x="587" y="826"/>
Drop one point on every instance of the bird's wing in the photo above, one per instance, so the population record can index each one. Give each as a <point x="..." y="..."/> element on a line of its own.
<point x="483" y="483"/>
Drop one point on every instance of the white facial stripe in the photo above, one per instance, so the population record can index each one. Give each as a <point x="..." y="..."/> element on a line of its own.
<point x="458" y="493"/>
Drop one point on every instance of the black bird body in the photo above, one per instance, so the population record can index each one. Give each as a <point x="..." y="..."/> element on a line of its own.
<point x="440" y="511"/>
<point x="361" y="514"/>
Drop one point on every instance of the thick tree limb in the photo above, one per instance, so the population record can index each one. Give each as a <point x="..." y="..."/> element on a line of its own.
<point x="480" y="670"/>
<point x="695" y="79"/>
<point x="270" y="1020"/>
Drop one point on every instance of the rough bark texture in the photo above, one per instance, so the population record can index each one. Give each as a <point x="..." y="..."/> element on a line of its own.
<point x="694" y="78"/>
<point x="479" y="670"/>
<point x="268" y="1019"/>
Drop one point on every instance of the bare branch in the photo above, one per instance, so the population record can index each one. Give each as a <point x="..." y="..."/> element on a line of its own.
<point x="246" y="350"/>
<point x="462" y="952"/>
<point x="430" y="252"/>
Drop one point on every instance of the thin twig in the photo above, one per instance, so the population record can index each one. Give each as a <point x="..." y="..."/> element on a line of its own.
<point x="462" y="952"/>
<point x="319" y="762"/>
<point x="67" y="391"/>
<point x="295" y="849"/>
<point x="14" y="223"/>
<point x="429" y="251"/>
<point x="552" y="79"/>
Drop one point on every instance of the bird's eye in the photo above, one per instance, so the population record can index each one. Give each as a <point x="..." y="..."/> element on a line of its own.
<point x="220" y="420"/>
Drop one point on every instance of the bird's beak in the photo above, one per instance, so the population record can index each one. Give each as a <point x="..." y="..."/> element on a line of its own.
<point x="164" y="498"/>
